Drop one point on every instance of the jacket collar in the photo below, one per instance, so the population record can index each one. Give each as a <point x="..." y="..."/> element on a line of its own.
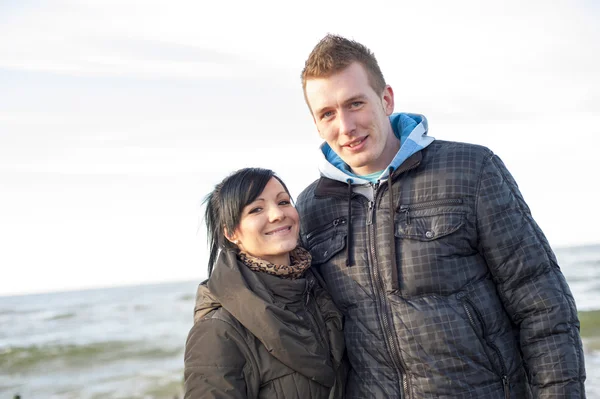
<point x="327" y="187"/>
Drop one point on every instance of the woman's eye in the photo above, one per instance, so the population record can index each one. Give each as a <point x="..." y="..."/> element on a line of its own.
<point x="284" y="202"/>
<point x="255" y="210"/>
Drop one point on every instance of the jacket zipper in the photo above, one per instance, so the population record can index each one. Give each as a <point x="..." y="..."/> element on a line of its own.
<point x="326" y="227"/>
<point x="380" y="289"/>
<point x="323" y="339"/>
<point x="505" y="382"/>
<point x="429" y="204"/>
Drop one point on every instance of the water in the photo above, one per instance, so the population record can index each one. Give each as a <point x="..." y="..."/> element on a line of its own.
<point x="128" y="342"/>
<point x="111" y="343"/>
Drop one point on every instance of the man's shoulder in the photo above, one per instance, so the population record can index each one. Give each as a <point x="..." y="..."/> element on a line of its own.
<point x="444" y="146"/>
<point x="455" y="154"/>
<point x="307" y="193"/>
<point x="317" y="204"/>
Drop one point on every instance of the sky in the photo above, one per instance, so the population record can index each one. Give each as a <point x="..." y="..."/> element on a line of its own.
<point x="118" y="117"/>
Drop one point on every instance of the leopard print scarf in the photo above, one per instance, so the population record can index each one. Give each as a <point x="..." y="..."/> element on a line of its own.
<point x="300" y="260"/>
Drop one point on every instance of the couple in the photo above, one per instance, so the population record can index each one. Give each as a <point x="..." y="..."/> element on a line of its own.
<point x="420" y="273"/>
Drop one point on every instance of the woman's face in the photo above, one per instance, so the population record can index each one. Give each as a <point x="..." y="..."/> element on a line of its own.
<point x="269" y="225"/>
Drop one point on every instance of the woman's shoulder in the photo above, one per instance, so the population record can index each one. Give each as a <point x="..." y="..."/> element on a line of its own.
<point x="218" y="337"/>
<point x="218" y="320"/>
<point x="218" y="358"/>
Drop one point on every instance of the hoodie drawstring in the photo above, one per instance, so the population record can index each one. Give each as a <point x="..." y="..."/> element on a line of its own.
<point x="395" y="284"/>
<point x="349" y="260"/>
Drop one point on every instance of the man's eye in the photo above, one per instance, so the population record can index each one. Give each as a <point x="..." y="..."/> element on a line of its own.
<point x="327" y="114"/>
<point x="356" y="104"/>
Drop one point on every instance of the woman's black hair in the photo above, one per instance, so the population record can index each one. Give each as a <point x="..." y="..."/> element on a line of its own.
<point x="224" y="206"/>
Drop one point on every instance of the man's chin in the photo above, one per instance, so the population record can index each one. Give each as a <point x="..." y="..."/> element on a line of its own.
<point x="356" y="165"/>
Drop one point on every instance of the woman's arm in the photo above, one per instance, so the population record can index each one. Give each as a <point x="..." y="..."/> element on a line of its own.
<point x="216" y="362"/>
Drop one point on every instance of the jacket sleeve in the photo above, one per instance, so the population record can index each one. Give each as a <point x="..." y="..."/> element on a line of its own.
<point x="216" y="362"/>
<point x="531" y="286"/>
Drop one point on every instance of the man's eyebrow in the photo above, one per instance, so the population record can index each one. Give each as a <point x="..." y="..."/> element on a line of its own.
<point x="355" y="98"/>
<point x="321" y="110"/>
<point x="352" y="99"/>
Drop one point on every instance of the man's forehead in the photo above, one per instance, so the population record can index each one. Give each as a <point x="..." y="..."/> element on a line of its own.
<point x="339" y="87"/>
<point x="319" y="90"/>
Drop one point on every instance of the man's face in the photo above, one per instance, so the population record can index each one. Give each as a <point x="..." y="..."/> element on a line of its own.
<point x="353" y="119"/>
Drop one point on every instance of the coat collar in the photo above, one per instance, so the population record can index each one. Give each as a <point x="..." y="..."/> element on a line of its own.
<point x="327" y="187"/>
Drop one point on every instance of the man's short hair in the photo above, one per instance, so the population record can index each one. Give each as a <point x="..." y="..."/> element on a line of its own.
<point x="333" y="54"/>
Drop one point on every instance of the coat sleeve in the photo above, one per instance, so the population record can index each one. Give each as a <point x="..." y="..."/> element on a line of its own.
<point x="217" y="364"/>
<point x="531" y="286"/>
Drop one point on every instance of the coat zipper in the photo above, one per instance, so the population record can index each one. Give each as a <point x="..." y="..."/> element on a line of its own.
<point x="326" y="227"/>
<point x="380" y="289"/>
<point x="429" y="204"/>
<point x="505" y="382"/>
<point x="322" y="338"/>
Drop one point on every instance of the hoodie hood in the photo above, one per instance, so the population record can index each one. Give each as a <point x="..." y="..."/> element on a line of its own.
<point x="411" y="129"/>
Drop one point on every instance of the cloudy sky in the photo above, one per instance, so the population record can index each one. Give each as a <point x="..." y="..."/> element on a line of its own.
<point x="117" y="117"/>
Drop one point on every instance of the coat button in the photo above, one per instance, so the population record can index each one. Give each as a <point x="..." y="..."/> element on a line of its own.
<point x="429" y="234"/>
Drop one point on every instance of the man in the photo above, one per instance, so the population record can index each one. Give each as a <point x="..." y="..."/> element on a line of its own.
<point x="448" y="286"/>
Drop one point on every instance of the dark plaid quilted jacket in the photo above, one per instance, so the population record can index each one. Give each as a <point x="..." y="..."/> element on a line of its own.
<point x="448" y="286"/>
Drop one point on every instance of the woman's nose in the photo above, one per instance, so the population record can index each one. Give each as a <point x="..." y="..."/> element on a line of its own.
<point x="275" y="213"/>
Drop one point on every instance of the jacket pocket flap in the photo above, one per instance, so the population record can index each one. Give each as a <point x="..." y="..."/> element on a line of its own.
<point x="322" y="250"/>
<point x="429" y="228"/>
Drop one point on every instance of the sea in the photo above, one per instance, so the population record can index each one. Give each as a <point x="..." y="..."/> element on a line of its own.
<point x="128" y="342"/>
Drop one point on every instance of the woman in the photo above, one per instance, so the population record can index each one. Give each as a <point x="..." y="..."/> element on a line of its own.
<point x="263" y="325"/>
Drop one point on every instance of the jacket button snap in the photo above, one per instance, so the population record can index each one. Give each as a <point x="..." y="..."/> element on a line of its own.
<point x="325" y="253"/>
<point x="429" y="234"/>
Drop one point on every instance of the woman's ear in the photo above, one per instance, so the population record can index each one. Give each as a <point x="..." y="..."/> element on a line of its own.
<point x="230" y="237"/>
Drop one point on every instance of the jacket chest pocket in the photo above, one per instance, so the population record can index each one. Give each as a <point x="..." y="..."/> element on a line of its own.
<point x="328" y="244"/>
<point x="326" y="240"/>
<point x="432" y="245"/>
<point x="429" y="221"/>
<point x="429" y="228"/>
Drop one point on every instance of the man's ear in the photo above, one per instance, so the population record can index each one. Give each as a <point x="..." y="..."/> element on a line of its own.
<point x="387" y="100"/>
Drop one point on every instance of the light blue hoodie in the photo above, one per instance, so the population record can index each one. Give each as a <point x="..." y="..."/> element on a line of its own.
<point x="411" y="129"/>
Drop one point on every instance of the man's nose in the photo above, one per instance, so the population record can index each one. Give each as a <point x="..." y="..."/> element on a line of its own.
<point x="347" y="125"/>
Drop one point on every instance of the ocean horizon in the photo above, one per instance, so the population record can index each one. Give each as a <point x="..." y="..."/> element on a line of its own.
<point x="128" y="341"/>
